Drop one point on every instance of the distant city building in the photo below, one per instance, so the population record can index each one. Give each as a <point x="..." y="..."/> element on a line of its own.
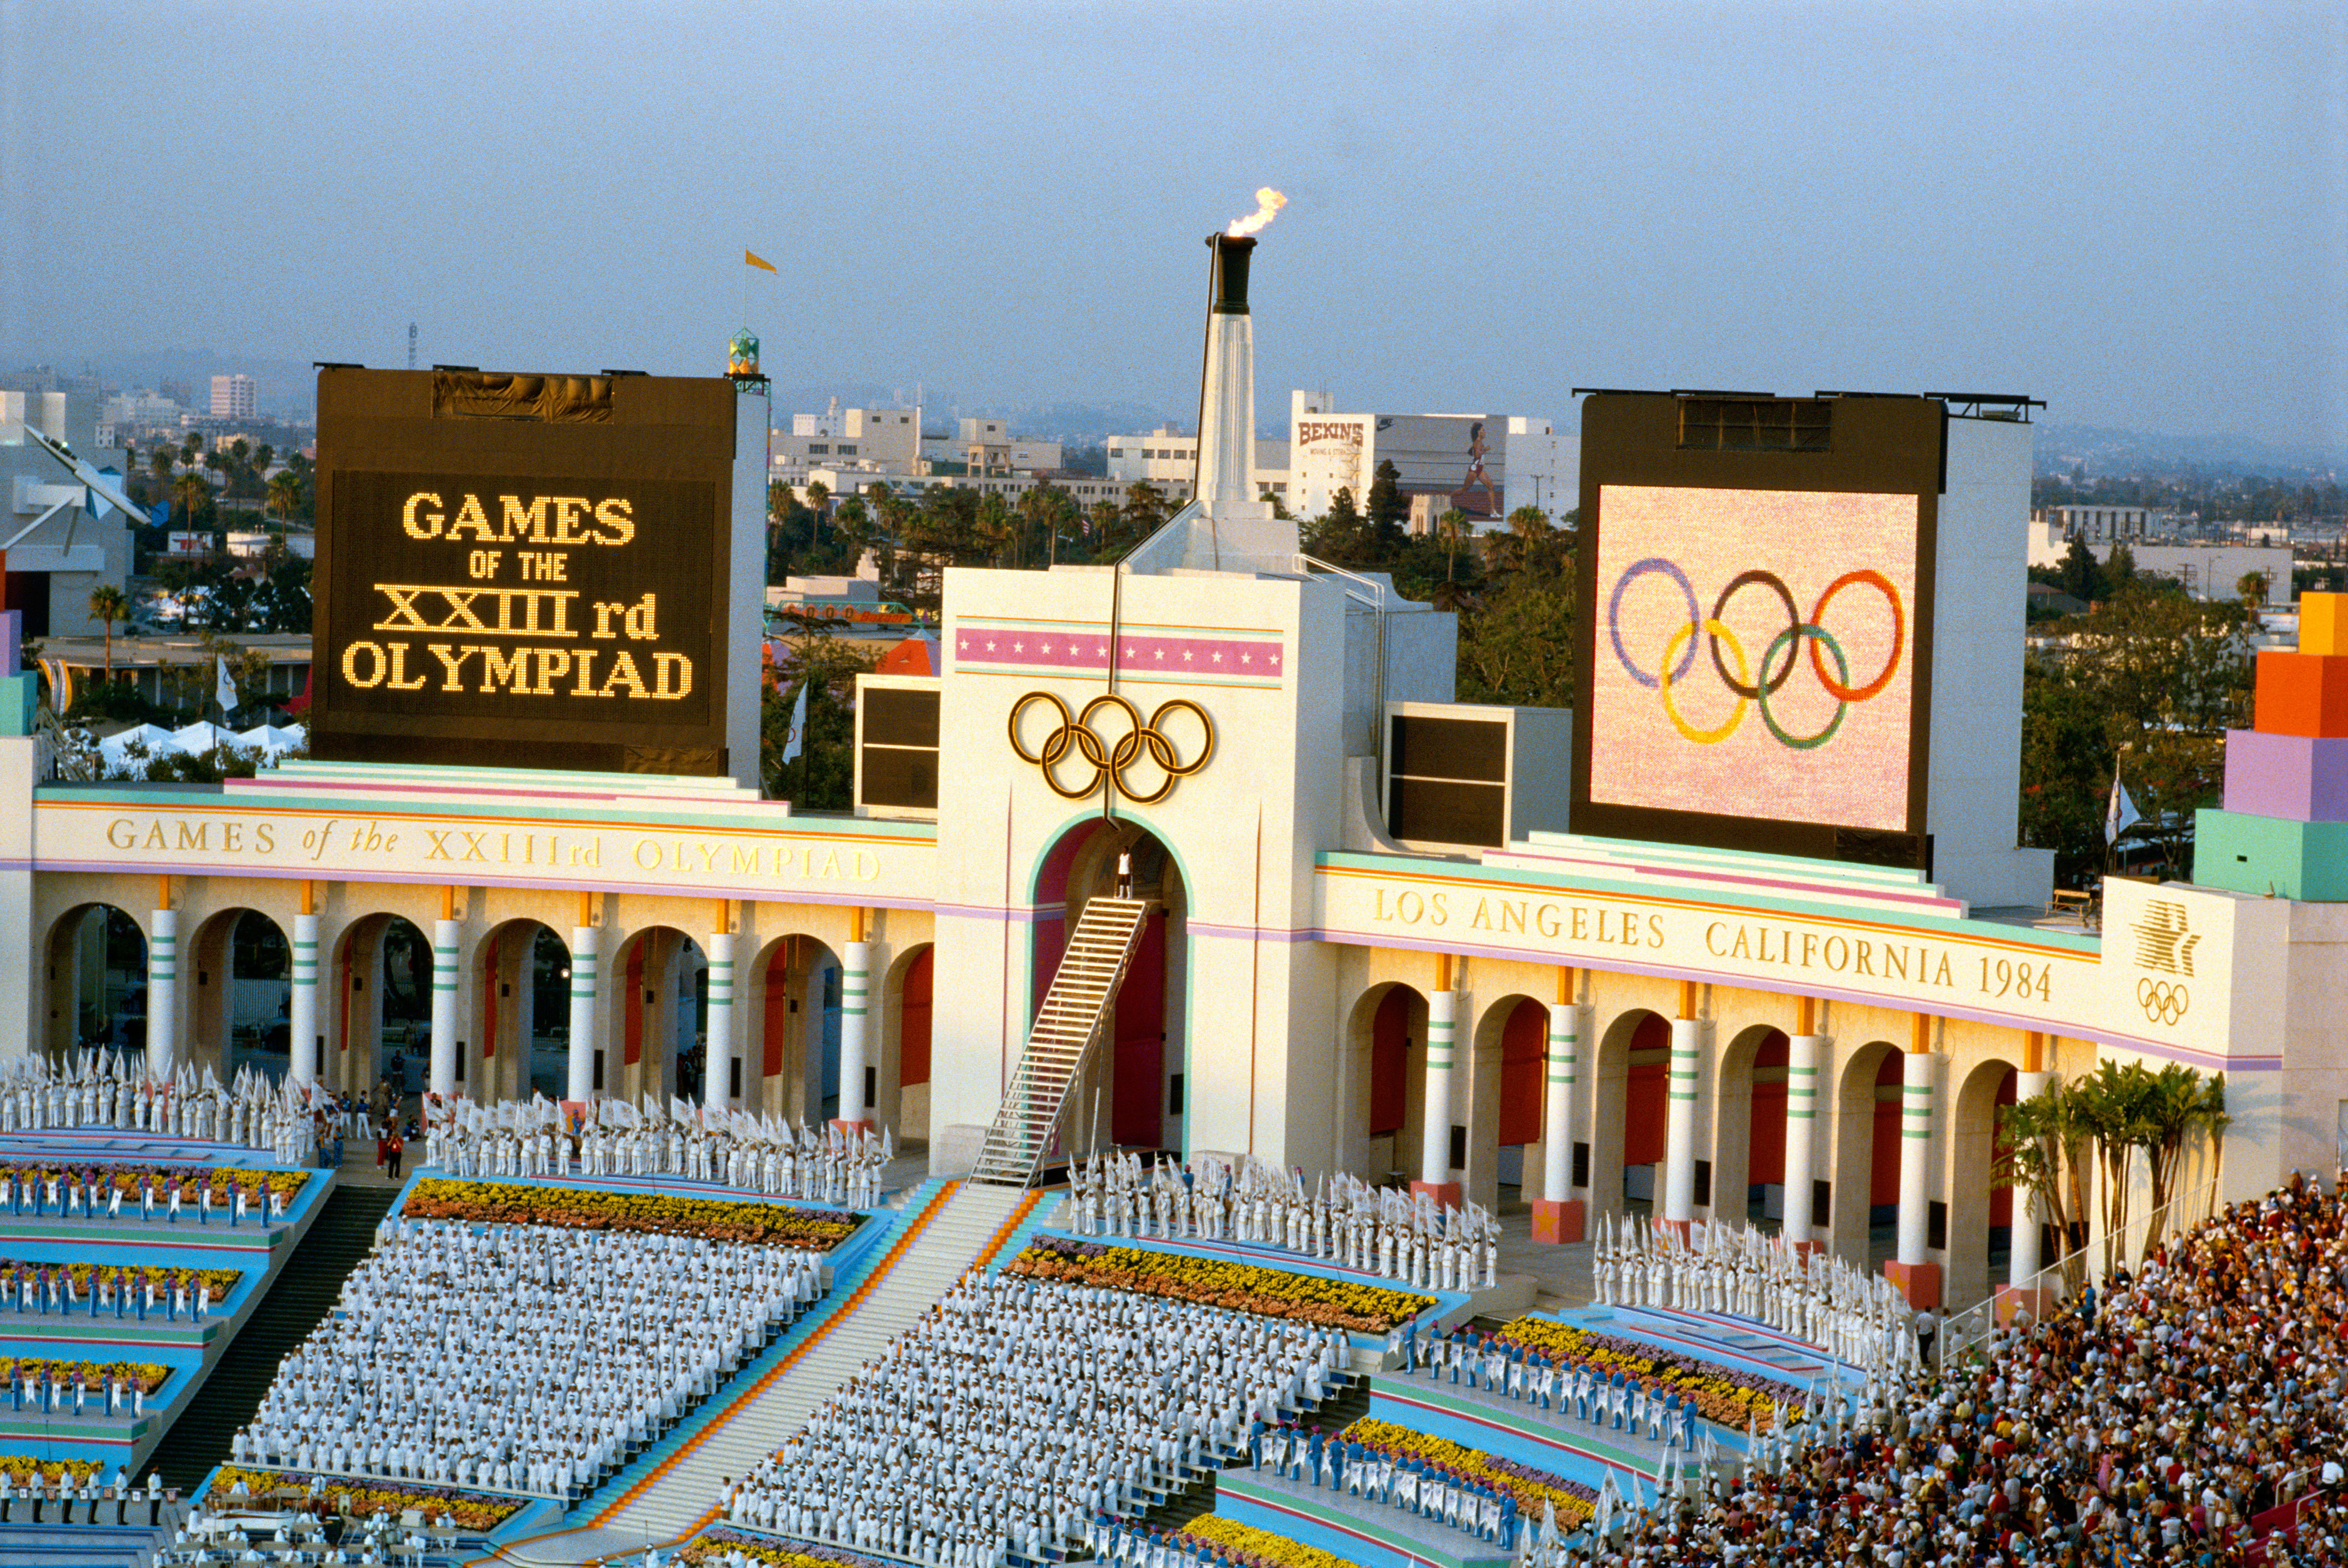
<point x="2104" y="524"/>
<point x="1170" y="461"/>
<point x="1487" y="466"/>
<point x="233" y="397"/>
<point x="2207" y="571"/>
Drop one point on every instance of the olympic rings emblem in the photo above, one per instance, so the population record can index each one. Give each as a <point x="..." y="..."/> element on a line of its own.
<point x="1109" y="758"/>
<point x="2163" y="1001"/>
<point x="1750" y="686"/>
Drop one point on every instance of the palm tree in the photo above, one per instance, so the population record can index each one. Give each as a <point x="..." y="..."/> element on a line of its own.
<point x="190" y="491"/>
<point x="2039" y="1150"/>
<point x="1451" y="525"/>
<point x="108" y="604"/>
<point x="284" y="493"/>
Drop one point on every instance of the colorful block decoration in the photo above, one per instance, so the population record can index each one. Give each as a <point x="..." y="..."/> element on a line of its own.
<point x="2283" y="829"/>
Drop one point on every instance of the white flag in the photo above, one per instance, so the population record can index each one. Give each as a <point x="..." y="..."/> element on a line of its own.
<point x="224" y="690"/>
<point x="2121" y="814"/>
<point x="799" y="725"/>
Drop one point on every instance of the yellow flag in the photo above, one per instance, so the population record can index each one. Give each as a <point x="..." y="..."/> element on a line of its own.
<point x="749" y="258"/>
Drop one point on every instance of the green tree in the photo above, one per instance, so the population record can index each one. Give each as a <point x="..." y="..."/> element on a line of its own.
<point x="822" y="777"/>
<point x="2163" y="676"/>
<point x="191" y="492"/>
<point x="1339" y="535"/>
<point x="285" y="488"/>
<point x="1518" y="648"/>
<point x="1388" y="512"/>
<point x="109" y="604"/>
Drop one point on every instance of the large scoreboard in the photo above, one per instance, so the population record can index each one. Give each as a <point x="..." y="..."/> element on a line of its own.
<point x="1757" y="583"/>
<point x="534" y="572"/>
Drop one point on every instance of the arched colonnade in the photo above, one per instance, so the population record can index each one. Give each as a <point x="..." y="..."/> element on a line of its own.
<point x="1685" y="1101"/>
<point x="807" y="1011"/>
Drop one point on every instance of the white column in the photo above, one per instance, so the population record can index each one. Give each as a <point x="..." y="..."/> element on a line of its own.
<point x="1915" y="1156"/>
<point x="1679" y="1136"/>
<point x="2022" y="1258"/>
<point x="443" y="1007"/>
<point x="1435" y="1140"/>
<point x="302" y="1007"/>
<point x="163" y="993"/>
<point x="855" y="1051"/>
<point x="1557" y="1114"/>
<point x="1802" y="1054"/>
<point x="581" y="1075"/>
<point x="717" y="1061"/>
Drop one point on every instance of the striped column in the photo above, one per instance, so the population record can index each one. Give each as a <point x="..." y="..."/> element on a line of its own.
<point x="163" y="993"/>
<point x="1435" y="1138"/>
<point x="1802" y="1055"/>
<point x="301" y="1006"/>
<point x="581" y="1074"/>
<point x="1557" y="1114"/>
<point x="855" y="1055"/>
<point x="718" y="1071"/>
<point x="1915" y="1157"/>
<point x="444" y="1023"/>
<point x="2023" y="1262"/>
<point x="1679" y="1135"/>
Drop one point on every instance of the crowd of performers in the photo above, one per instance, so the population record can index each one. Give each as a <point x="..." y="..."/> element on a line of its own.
<point x="1858" y="1319"/>
<point x="101" y="1089"/>
<point x="520" y="1358"/>
<point x="758" y="1152"/>
<point x="1017" y="1409"/>
<point x="1341" y="1219"/>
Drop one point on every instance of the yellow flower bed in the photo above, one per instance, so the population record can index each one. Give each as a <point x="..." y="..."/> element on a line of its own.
<point x="472" y="1513"/>
<point x="1572" y="1507"/>
<point x="147" y="1374"/>
<point x="716" y="1550"/>
<point x="1241" y="1287"/>
<point x="1721" y="1400"/>
<point x="19" y="1466"/>
<point x="659" y="1214"/>
<point x="1259" y="1548"/>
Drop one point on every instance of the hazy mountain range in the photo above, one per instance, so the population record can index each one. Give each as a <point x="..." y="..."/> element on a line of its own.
<point x="286" y="389"/>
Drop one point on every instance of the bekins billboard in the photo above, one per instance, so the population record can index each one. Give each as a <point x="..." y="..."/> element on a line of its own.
<point x="526" y="571"/>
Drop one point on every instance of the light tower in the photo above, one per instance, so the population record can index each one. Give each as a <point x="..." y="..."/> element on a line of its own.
<point x="411" y="346"/>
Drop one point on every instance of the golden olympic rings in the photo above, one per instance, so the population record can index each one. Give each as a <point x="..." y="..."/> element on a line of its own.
<point x="1109" y="758"/>
<point x="2162" y="1001"/>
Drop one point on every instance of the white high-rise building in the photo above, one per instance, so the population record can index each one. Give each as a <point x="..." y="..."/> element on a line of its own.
<point x="233" y="397"/>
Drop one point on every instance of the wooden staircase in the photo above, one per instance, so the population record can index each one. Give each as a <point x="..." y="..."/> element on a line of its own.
<point x="1075" y="1012"/>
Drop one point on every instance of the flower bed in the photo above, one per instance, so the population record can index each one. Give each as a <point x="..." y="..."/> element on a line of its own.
<point x="1241" y="1287"/>
<point x="1728" y="1398"/>
<point x="75" y="1470"/>
<point x="222" y="1281"/>
<point x="474" y="1512"/>
<point x="716" y="1547"/>
<point x="190" y="1179"/>
<point x="1214" y="1535"/>
<point x="145" y="1374"/>
<point x="658" y="1214"/>
<point x="1529" y="1486"/>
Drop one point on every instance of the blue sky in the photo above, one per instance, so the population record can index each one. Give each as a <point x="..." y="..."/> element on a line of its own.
<point x="2138" y="212"/>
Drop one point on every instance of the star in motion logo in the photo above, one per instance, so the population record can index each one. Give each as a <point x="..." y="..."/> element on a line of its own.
<point x="2163" y="940"/>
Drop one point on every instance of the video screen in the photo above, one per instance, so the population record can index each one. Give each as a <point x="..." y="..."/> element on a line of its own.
<point x="1754" y="654"/>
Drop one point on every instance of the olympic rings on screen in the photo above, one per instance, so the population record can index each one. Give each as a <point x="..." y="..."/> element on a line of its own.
<point x="1790" y="640"/>
<point x="1109" y="758"/>
<point x="2162" y="1001"/>
<point x="1736" y="715"/>
<point x="1757" y="686"/>
<point x="1615" y="616"/>
<point x="1899" y="635"/>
